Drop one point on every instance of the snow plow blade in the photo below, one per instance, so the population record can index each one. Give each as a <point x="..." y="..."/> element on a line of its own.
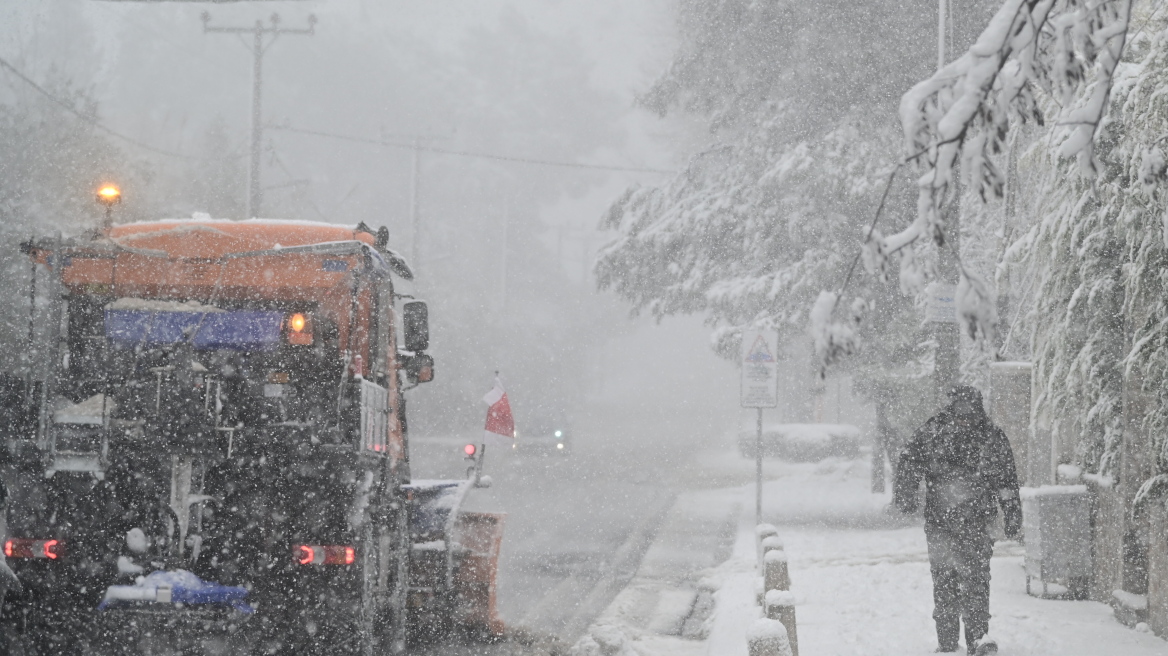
<point x="480" y="535"/>
<point x="453" y="563"/>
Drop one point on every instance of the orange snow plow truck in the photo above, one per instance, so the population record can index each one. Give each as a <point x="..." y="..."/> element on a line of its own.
<point x="212" y="455"/>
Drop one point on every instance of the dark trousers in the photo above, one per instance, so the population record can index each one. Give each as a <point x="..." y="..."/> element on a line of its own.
<point x="960" y="564"/>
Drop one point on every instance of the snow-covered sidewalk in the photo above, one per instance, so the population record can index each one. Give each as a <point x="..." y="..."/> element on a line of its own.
<point x="860" y="575"/>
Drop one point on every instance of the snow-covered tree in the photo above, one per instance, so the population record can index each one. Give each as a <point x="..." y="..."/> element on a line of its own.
<point x="1097" y="255"/>
<point x="53" y="163"/>
<point x="1034" y="58"/>
<point x="798" y="101"/>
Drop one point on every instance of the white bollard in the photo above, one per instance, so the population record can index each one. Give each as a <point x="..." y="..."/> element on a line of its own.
<point x="764" y="531"/>
<point x="775" y="574"/>
<point x="780" y="605"/>
<point x="768" y="638"/>
<point x="770" y="543"/>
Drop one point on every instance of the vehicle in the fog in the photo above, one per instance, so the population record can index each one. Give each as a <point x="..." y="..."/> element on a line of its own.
<point x="213" y="456"/>
<point x="544" y="436"/>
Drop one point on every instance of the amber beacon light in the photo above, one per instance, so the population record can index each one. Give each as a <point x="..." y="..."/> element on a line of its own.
<point x="109" y="195"/>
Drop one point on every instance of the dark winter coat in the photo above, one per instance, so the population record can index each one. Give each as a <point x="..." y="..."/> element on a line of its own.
<point x="968" y="471"/>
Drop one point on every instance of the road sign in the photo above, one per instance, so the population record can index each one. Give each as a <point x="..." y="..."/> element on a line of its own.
<point x="760" y="369"/>
<point x="940" y="303"/>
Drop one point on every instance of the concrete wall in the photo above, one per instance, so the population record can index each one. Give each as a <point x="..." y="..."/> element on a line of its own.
<point x="1039" y="470"/>
<point x="1108" y="523"/>
<point x="1157" y="570"/>
<point x="1009" y="409"/>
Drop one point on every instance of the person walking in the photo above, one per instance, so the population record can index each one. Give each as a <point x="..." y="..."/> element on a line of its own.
<point x="968" y="469"/>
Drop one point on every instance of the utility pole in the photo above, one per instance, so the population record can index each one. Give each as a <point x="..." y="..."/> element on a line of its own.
<point x="259" y="32"/>
<point x="415" y="218"/>
<point x="946" y="331"/>
<point x="505" y="252"/>
<point x="942" y="24"/>
<point x="419" y="143"/>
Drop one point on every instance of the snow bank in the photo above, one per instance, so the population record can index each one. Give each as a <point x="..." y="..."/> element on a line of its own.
<point x="603" y="640"/>
<point x="1130" y="600"/>
<point x="803" y="442"/>
<point x="1051" y="491"/>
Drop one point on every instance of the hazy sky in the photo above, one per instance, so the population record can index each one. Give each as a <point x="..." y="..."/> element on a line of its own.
<point x="157" y="77"/>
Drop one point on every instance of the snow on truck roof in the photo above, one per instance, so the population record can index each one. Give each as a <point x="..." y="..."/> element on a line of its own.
<point x="207" y="238"/>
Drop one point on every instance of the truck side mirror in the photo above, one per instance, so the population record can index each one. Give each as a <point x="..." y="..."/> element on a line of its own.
<point x="419" y="368"/>
<point x="416" y="326"/>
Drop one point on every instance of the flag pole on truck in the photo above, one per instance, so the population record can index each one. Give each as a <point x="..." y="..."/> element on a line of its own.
<point x="500" y="426"/>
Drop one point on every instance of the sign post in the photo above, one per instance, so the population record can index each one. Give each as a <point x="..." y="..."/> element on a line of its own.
<point x="760" y="389"/>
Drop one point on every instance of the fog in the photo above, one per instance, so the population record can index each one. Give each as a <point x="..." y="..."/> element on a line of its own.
<point x="506" y="246"/>
<point x="607" y="328"/>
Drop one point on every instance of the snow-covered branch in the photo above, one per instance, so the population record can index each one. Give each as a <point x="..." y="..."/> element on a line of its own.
<point x="961" y="115"/>
<point x="958" y="119"/>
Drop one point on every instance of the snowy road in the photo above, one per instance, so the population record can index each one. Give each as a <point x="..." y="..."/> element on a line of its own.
<point x="577" y="526"/>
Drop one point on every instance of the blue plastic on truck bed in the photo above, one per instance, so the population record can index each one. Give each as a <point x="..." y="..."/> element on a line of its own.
<point x="432" y="504"/>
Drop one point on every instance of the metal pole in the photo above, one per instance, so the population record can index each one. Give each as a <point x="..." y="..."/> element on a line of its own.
<point x="415" y="219"/>
<point x="503" y="255"/>
<point x="758" y="471"/>
<point x="947" y="362"/>
<point x="942" y="21"/>
<point x="254" y="191"/>
<point x="30" y="358"/>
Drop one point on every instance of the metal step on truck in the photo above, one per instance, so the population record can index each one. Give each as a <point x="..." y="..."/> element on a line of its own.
<point x="209" y="453"/>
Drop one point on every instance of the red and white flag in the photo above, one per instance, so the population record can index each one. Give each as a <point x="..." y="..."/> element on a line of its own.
<point x="500" y="428"/>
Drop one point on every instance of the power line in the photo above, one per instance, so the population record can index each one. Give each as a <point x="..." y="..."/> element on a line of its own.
<point x="67" y="106"/>
<point x="466" y="153"/>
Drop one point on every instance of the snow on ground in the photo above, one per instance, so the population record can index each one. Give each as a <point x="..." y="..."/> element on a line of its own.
<point x="860" y="575"/>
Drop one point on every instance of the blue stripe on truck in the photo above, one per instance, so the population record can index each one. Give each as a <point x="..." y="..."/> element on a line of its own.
<point x="243" y="330"/>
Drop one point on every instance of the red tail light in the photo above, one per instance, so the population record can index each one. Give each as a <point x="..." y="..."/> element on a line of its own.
<point x="469" y="450"/>
<point x="305" y="555"/>
<point x="26" y="548"/>
<point x="316" y="554"/>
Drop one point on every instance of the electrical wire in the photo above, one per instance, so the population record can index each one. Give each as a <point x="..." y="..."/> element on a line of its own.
<point x="67" y="106"/>
<point x="466" y="153"/>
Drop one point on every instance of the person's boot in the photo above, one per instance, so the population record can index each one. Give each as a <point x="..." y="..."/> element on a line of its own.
<point x="987" y="647"/>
